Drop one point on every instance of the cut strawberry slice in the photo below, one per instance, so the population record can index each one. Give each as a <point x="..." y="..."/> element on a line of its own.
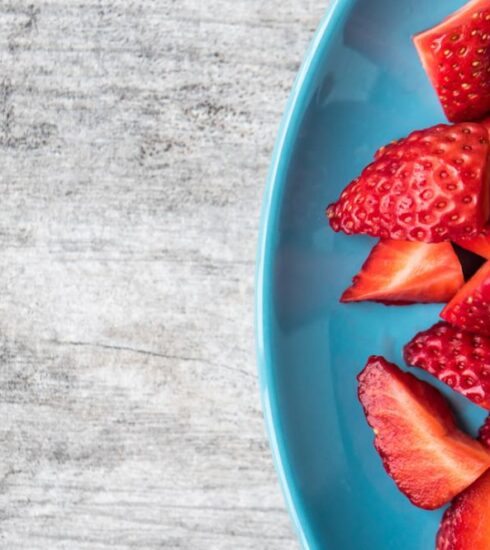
<point x="431" y="186"/>
<point x="430" y="460"/>
<point x="479" y="245"/>
<point x="470" y="308"/>
<point x="456" y="357"/>
<point x="456" y="57"/>
<point x="484" y="433"/>
<point x="466" y="524"/>
<point x="407" y="272"/>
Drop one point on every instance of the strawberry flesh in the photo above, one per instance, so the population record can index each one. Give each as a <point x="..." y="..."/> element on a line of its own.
<point x="430" y="187"/>
<point x="456" y="357"/>
<point x="428" y="457"/>
<point x="456" y="57"/>
<point x="466" y="523"/>
<point x="407" y="272"/>
<point x="470" y="307"/>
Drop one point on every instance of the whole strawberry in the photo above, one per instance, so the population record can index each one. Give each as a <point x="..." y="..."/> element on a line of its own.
<point x="429" y="186"/>
<point x="458" y="358"/>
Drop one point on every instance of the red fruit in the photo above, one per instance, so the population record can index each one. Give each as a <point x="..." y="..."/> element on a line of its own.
<point x="458" y="358"/>
<point x="479" y="245"/>
<point x="455" y="55"/>
<point x="470" y="307"/>
<point x="486" y="122"/>
<point x="431" y="186"/>
<point x="484" y="433"/>
<point x="430" y="460"/>
<point x="466" y="524"/>
<point x="407" y="272"/>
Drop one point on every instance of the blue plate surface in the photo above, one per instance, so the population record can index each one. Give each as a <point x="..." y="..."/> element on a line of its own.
<point x="361" y="86"/>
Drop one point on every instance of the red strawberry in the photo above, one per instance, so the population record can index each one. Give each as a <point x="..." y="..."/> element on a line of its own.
<point x="431" y="186"/>
<point x="455" y="55"/>
<point x="466" y="524"/>
<point x="479" y="245"/>
<point x="484" y="433"/>
<point x="407" y="272"/>
<point x="458" y="358"/>
<point x="430" y="460"/>
<point x="470" y="308"/>
<point x="486" y="122"/>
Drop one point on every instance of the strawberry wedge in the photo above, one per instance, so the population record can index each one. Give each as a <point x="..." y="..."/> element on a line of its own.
<point x="484" y="433"/>
<point x="407" y="272"/>
<point x="456" y="357"/>
<point x="456" y="57"/>
<point x="431" y="186"/>
<point x="466" y="523"/>
<point x="479" y="245"/>
<point x="428" y="457"/>
<point x="470" y="307"/>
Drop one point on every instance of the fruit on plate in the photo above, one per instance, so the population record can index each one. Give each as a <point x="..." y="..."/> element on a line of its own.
<point x="407" y="272"/>
<point x="431" y="186"/>
<point x="455" y="55"/>
<point x="478" y="245"/>
<point x="484" y="433"/>
<point x="456" y="357"/>
<point x="469" y="309"/>
<point x="427" y="198"/>
<point x="428" y="457"/>
<point x="466" y="523"/>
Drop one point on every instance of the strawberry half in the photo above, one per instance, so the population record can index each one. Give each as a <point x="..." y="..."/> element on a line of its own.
<point x="430" y="460"/>
<point x="407" y="272"/>
<point x="484" y="433"/>
<point x="431" y="186"/>
<point x="456" y="357"/>
<point x="479" y="245"/>
<point x="470" y="307"/>
<point x="455" y="55"/>
<point x="466" y="524"/>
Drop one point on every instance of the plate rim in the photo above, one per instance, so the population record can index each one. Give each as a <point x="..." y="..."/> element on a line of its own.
<point x="267" y="237"/>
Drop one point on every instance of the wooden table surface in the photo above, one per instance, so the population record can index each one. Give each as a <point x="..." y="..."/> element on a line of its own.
<point x="134" y="143"/>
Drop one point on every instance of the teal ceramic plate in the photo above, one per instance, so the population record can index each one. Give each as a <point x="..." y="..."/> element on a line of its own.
<point x="360" y="87"/>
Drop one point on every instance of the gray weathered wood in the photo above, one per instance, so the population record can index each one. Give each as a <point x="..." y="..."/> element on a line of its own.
<point x="134" y="143"/>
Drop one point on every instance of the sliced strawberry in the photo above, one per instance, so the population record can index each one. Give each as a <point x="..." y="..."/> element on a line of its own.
<point x="479" y="245"/>
<point x="466" y="524"/>
<point x="431" y="186"/>
<point x="484" y="433"/>
<point x="456" y="357"/>
<point x="455" y="55"/>
<point x="470" y="308"/>
<point x="407" y="272"/>
<point x="430" y="460"/>
<point x="486" y="122"/>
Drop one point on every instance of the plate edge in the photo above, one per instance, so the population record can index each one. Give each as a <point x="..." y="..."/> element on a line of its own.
<point x="263" y="279"/>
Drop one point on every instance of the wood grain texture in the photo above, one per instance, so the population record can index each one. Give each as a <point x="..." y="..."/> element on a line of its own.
<point x="134" y="143"/>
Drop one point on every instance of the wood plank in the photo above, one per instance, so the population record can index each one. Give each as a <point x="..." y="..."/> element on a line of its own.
<point x="134" y="143"/>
